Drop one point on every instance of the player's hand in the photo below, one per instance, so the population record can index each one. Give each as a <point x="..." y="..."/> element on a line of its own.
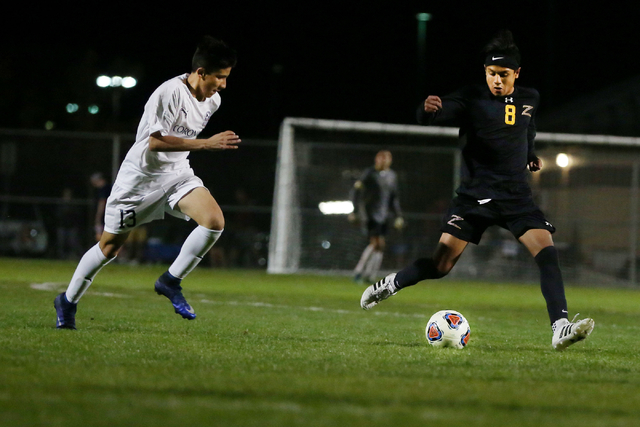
<point x="399" y="223"/>
<point x="535" y="165"/>
<point x="227" y="140"/>
<point x="432" y="104"/>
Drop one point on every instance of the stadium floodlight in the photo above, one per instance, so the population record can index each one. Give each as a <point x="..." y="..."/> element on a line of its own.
<point x="563" y="160"/>
<point x="116" y="81"/>
<point x="128" y="82"/>
<point x="103" y="81"/>
<point x="336" y="208"/>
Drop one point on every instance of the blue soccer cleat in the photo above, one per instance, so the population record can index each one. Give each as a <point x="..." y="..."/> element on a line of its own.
<point x="65" y="311"/>
<point x="169" y="286"/>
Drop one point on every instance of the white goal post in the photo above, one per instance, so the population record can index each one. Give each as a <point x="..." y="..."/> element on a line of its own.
<point x="286" y="228"/>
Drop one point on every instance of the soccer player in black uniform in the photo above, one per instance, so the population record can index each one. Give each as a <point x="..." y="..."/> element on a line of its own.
<point x="375" y="197"/>
<point x="497" y="121"/>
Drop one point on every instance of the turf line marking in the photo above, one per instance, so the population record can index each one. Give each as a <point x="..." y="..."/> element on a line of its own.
<point x="59" y="287"/>
<point x="310" y="308"/>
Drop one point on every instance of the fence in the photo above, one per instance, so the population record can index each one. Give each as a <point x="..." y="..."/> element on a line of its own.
<point x="47" y="204"/>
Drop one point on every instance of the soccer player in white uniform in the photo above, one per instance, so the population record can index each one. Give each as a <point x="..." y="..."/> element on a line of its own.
<point x="155" y="178"/>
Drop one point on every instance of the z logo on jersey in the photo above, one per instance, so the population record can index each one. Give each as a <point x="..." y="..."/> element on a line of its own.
<point x="455" y="218"/>
<point x="527" y="108"/>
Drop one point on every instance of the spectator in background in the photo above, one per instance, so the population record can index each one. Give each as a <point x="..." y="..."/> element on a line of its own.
<point x="244" y="231"/>
<point x="375" y="198"/>
<point x="102" y="191"/>
<point x="69" y="218"/>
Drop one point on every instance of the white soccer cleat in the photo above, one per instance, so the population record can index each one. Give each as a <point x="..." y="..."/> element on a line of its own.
<point x="566" y="333"/>
<point x="379" y="291"/>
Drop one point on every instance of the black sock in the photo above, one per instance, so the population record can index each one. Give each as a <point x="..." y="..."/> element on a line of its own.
<point x="421" y="269"/>
<point x="170" y="280"/>
<point x="551" y="283"/>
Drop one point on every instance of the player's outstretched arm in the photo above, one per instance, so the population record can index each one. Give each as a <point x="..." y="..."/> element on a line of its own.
<point x="227" y="140"/>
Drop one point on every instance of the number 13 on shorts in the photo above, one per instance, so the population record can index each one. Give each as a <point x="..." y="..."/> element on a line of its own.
<point x="127" y="218"/>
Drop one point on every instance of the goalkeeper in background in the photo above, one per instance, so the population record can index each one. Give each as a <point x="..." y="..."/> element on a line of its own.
<point x="374" y="196"/>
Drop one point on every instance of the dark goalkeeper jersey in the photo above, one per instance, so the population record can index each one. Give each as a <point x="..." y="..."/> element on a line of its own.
<point x="499" y="133"/>
<point x="376" y="192"/>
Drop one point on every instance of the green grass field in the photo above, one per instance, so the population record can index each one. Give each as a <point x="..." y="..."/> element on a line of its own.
<point x="297" y="350"/>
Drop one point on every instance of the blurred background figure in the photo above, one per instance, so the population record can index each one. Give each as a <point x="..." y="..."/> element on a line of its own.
<point x="375" y="200"/>
<point x="102" y="191"/>
<point x="133" y="250"/>
<point x="69" y="218"/>
<point x="243" y="232"/>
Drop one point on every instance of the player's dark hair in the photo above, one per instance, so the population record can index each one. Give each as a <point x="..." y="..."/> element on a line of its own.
<point x="503" y="43"/>
<point x="212" y="55"/>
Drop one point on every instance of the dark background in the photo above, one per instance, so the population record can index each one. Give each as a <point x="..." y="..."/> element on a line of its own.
<point x="337" y="60"/>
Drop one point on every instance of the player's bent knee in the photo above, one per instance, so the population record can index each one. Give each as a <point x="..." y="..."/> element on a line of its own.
<point x="443" y="268"/>
<point x="441" y="273"/>
<point x="110" y="250"/>
<point x="110" y="244"/>
<point x="212" y="222"/>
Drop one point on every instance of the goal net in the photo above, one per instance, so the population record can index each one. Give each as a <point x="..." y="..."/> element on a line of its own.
<point x="588" y="189"/>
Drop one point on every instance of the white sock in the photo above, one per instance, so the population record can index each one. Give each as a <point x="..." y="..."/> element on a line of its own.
<point x="90" y="264"/>
<point x="373" y="265"/>
<point x="193" y="249"/>
<point x="363" y="259"/>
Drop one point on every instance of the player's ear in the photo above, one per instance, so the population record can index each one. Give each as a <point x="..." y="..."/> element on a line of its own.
<point x="201" y="72"/>
<point x="517" y="72"/>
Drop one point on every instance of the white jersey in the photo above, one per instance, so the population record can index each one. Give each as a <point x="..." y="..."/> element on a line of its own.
<point x="171" y="110"/>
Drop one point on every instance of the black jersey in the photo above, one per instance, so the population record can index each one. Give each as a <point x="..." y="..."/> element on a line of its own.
<point x="499" y="133"/>
<point x="376" y="193"/>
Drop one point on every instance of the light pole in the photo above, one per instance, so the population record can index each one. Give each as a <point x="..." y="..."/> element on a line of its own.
<point x="422" y="19"/>
<point x="116" y="82"/>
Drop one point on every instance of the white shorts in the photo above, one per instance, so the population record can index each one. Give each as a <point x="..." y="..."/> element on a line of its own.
<point x="127" y="209"/>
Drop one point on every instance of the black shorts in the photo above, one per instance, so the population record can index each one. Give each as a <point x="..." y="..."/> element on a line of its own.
<point x="467" y="218"/>
<point x="375" y="228"/>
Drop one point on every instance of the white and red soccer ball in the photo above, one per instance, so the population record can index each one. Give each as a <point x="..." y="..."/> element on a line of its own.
<point x="448" y="328"/>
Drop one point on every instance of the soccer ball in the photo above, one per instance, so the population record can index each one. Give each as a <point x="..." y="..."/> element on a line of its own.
<point x="448" y="328"/>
